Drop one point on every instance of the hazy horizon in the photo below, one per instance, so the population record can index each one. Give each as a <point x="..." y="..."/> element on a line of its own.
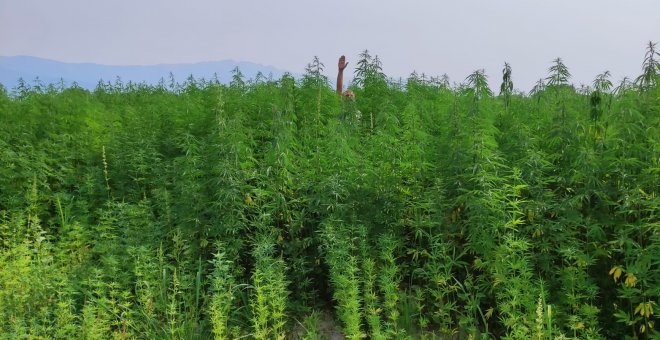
<point x="425" y="36"/>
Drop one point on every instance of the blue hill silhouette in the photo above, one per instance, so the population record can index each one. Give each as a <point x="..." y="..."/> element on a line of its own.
<point x="87" y="75"/>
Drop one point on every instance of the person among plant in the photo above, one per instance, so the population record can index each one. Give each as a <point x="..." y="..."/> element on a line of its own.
<point x="340" y="80"/>
<point x="348" y="96"/>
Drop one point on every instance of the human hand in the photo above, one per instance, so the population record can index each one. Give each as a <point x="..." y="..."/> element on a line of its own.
<point x="342" y="63"/>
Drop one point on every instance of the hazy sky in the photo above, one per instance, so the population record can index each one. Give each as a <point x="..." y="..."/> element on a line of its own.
<point x="430" y="36"/>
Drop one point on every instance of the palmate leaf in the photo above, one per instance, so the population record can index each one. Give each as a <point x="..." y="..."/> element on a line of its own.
<point x="650" y="67"/>
<point x="559" y="74"/>
<point x="478" y="82"/>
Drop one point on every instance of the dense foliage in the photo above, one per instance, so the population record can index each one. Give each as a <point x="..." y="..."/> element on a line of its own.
<point x="269" y="208"/>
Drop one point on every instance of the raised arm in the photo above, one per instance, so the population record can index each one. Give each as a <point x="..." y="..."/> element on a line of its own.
<point x="340" y="74"/>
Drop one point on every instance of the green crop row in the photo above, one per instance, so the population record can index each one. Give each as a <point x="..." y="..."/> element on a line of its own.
<point x="274" y="209"/>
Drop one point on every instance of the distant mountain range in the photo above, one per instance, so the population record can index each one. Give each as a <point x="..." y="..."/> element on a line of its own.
<point x="87" y="75"/>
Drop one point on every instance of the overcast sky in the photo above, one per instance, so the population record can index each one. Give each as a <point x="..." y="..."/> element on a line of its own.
<point x="430" y="36"/>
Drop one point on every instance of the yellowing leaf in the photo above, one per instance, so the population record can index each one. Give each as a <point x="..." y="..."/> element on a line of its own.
<point x="616" y="272"/>
<point x="645" y="309"/>
<point x="631" y="280"/>
<point x="489" y="312"/>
